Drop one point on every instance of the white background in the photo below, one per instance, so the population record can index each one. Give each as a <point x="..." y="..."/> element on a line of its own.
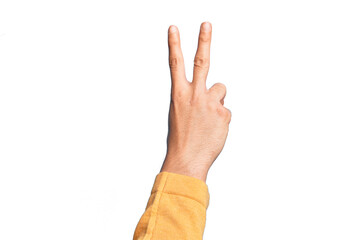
<point x="84" y="97"/>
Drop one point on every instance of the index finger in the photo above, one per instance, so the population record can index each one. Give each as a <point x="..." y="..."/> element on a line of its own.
<point x="176" y="60"/>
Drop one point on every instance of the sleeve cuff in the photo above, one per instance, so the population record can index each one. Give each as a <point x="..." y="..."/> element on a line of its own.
<point x="182" y="185"/>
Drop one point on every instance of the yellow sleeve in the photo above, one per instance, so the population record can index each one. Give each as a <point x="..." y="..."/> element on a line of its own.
<point x="176" y="209"/>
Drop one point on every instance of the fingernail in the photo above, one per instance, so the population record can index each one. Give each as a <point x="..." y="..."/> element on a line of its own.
<point x="206" y="27"/>
<point x="172" y="29"/>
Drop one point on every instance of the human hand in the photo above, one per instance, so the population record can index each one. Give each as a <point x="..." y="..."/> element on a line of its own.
<point x="198" y="121"/>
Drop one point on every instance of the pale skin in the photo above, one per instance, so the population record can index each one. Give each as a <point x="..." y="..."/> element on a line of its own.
<point x="198" y="120"/>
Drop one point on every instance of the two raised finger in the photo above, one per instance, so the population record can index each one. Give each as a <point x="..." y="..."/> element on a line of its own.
<point x="202" y="57"/>
<point x="176" y="59"/>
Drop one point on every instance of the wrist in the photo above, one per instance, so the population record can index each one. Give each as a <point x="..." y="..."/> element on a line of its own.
<point x="184" y="169"/>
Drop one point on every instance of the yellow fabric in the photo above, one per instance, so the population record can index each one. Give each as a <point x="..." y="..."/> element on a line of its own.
<point x="176" y="209"/>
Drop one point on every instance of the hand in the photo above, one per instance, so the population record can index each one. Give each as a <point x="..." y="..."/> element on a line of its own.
<point x="198" y="121"/>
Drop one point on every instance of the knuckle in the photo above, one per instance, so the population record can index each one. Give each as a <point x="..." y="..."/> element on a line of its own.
<point x="228" y="115"/>
<point x="218" y="90"/>
<point x="220" y="86"/>
<point x="174" y="63"/>
<point x="201" y="62"/>
<point x="224" y="113"/>
<point x="195" y="101"/>
<point x="221" y="111"/>
<point x="205" y="38"/>
<point x="211" y="106"/>
<point x="179" y="95"/>
<point x="198" y="100"/>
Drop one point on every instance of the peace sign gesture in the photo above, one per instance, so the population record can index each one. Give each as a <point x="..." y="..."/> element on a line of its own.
<point x="198" y="120"/>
